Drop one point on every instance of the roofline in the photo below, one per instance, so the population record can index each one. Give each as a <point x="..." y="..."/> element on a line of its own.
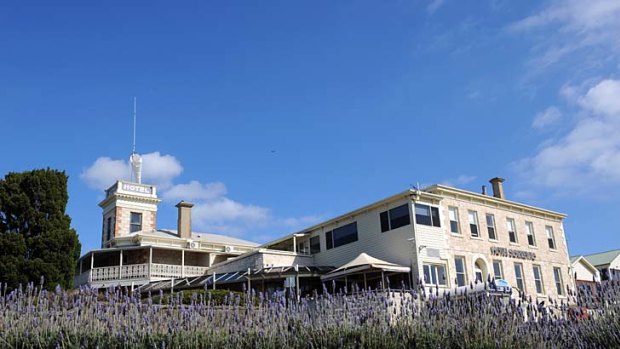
<point x="176" y="238"/>
<point x="593" y="254"/>
<point x="416" y="194"/>
<point x="441" y="187"/>
<point x="590" y="266"/>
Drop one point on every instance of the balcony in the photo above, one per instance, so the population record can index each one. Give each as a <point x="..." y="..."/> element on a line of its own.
<point x="128" y="273"/>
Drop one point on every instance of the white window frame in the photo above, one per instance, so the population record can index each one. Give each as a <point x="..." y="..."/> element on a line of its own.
<point x="559" y="284"/>
<point x="551" y="237"/>
<point x="501" y="268"/>
<point x="519" y="266"/>
<point x="454" y="210"/>
<point x="529" y="230"/>
<point x="511" y="224"/>
<point x="539" y="280"/>
<point x="476" y="223"/>
<point x="436" y="275"/>
<point x="494" y="227"/>
<point x="464" y="273"/>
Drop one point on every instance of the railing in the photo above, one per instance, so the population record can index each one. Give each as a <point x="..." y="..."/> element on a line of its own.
<point x="138" y="271"/>
<point x="195" y="271"/>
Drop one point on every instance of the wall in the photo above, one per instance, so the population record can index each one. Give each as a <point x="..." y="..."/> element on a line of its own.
<point x="473" y="248"/>
<point x="392" y="246"/>
<point x="583" y="273"/>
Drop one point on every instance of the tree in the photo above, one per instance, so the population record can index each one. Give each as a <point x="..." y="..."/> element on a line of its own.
<point x="36" y="238"/>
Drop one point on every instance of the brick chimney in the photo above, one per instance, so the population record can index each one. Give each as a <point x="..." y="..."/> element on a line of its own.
<point x="184" y="220"/>
<point x="498" y="187"/>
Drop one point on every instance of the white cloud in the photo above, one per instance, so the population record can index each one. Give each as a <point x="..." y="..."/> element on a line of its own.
<point x="213" y="211"/>
<point x="433" y="6"/>
<point x="194" y="190"/>
<point x="586" y="31"/>
<point x="104" y="172"/>
<point x="548" y="117"/>
<point x="589" y="153"/>
<point x="156" y="169"/>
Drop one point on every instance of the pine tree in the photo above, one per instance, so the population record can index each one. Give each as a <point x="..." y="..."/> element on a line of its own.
<point x="36" y="238"/>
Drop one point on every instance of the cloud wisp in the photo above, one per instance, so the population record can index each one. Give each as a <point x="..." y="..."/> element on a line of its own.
<point x="589" y="152"/>
<point x="213" y="211"/>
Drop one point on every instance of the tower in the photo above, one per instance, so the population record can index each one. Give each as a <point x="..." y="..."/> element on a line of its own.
<point x="129" y="206"/>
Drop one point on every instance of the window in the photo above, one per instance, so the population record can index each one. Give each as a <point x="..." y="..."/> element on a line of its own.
<point x="435" y="274"/>
<point x="529" y="228"/>
<point x="498" y="271"/>
<point x="459" y="264"/>
<point x="473" y="223"/>
<point x="136" y="222"/>
<point x="395" y="218"/>
<point x="427" y="215"/>
<point x="453" y="213"/>
<point x="559" y="285"/>
<point x="109" y="229"/>
<point x="491" y="226"/>
<point x="315" y="244"/>
<point x="329" y="241"/>
<point x="519" y="276"/>
<point x="550" y="237"/>
<point x="538" y="279"/>
<point x="512" y="231"/>
<point x="341" y="236"/>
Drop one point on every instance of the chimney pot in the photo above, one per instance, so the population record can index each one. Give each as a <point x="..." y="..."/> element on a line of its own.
<point x="484" y="190"/>
<point x="498" y="187"/>
<point x="184" y="219"/>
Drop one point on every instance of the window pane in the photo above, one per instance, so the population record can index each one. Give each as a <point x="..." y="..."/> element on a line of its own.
<point x="519" y="277"/>
<point x="558" y="280"/>
<point x="435" y="214"/>
<point x="491" y="226"/>
<point x="345" y="234"/>
<point x="497" y="270"/>
<point x="453" y="213"/>
<point x="136" y="222"/>
<point x="427" y="274"/>
<point x="399" y="217"/>
<point x="422" y="214"/>
<point x="459" y="265"/>
<point x="315" y="244"/>
<point x="385" y="222"/>
<point x="329" y="241"/>
<point x="473" y="223"/>
<point x="441" y="274"/>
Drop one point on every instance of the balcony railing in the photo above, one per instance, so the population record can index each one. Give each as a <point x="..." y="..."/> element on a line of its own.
<point x="138" y="271"/>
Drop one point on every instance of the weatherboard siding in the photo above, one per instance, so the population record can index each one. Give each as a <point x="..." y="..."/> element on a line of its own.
<point x="392" y="246"/>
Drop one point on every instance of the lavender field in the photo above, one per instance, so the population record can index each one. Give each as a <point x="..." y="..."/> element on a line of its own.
<point x="35" y="318"/>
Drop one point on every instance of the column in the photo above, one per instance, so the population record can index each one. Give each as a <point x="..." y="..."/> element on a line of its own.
<point x="150" y="261"/>
<point x="182" y="263"/>
<point x="120" y="266"/>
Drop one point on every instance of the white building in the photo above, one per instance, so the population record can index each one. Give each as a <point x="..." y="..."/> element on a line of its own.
<point x="134" y="251"/>
<point x="607" y="263"/>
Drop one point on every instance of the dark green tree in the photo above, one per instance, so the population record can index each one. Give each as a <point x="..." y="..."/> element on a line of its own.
<point x="36" y="238"/>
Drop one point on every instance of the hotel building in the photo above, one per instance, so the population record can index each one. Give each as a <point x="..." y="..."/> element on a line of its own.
<point x="442" y="236"/>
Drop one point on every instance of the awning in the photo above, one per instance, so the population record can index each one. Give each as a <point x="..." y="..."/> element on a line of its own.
<point x="364" y="263"/>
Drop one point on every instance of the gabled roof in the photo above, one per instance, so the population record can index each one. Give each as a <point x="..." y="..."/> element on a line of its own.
<point x="603" y="257"/>
<point x="581" y="259"/>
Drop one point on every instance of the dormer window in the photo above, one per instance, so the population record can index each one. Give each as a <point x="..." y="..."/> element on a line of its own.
<point x="136" y="222"/>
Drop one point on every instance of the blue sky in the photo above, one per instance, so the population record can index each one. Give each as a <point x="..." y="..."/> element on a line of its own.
<point x="273" y="115"/>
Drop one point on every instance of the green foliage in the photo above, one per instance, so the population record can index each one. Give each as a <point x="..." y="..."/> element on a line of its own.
<point x="36" y="239"/>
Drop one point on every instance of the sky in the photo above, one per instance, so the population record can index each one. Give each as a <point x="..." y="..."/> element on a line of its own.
<point x="271" y="116"/>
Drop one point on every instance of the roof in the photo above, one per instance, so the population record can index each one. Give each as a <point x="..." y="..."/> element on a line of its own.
<point x="365" y="262"/>
<point x="209" y="237"/>
<point x="603" y="257"/>
<point x="581" y="259"/>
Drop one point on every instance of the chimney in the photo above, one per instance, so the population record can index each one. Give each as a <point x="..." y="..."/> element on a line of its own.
<point x="484" y="190"/>
<point x="184" y="220"/>
<point x="498" y="187"/>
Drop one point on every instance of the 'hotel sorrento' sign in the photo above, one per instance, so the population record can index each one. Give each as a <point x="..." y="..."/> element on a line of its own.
<point x="505" y="252"/>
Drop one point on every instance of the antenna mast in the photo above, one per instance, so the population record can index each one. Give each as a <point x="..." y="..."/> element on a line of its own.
<point x="133" y="149"/>
<point x="135" y="159"/>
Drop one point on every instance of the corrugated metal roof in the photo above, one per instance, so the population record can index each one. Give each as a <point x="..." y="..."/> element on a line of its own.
<point x="206" y="237"/>
<point x="602" y="258"/>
